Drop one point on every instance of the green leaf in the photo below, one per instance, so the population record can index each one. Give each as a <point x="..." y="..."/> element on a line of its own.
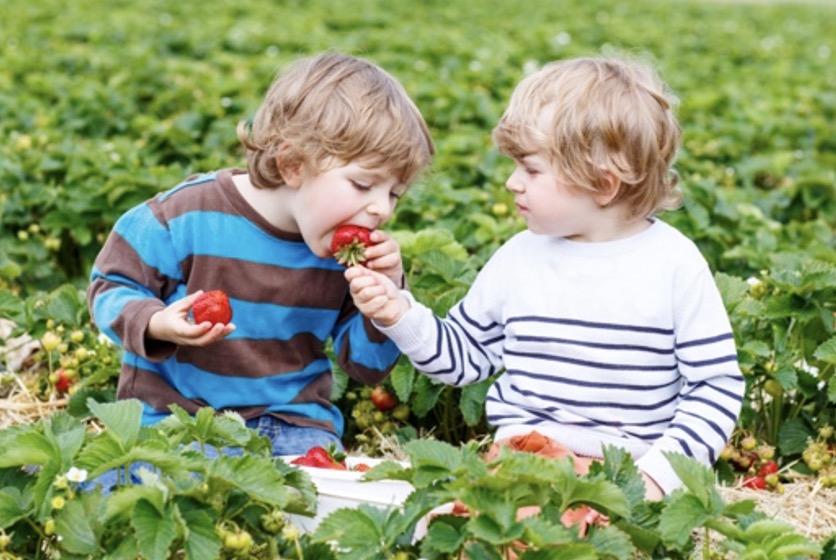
<point x="123" y="419"/>
<point x="487" y="528"/>
<point x="472" y="401"/>
<point x="355" y="530"/>
<point x="14" y="505"/>
<point x="611" y="542"/>
<point x="826" y="351"/>
<point x="98" y="454"/>
<point x="481" y="551"/>
<point x="572" y="551"/>
<point x="757" y="348"/>
<point x="620" y="469"/>
<point x="403" y="379"/>
<point x="684" y="513"/>
<point x="732" y="289"/>
<point x="254" y="475"/>
<point x="74" y="526"/>
<point x="155" y="531"/>
<point x="793" y="436"/>
<point x="201" y="537"/>
<point x="11" y="306"/>
<point x="66" y="305"/>
<point x="831" y="389"/>
<point x="442" y="537"/>
<point x="698" y="479"/>
<point x="426" y="395"/>
<point x="27" y="448"/>
<point x="66" y="434"/>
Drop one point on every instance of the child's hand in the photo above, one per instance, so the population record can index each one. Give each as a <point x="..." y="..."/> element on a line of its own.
<point x="172" y="325"/>
<point x="376" y="296"/>
<point x="384" y="256"/>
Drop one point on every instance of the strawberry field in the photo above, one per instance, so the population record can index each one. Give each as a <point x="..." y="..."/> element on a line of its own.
<point x="104" y="104"/>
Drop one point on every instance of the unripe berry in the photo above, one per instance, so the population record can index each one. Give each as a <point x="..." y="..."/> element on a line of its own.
<point x="50" y="341"/>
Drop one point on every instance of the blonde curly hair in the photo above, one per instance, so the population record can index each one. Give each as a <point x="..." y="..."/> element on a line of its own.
<point x="589" y="116"/>
<point x="334" y="109"/>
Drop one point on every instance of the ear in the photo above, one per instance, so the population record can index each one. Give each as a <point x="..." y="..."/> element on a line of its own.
<point x="289" y="166"/>
<point x="610" y="186"/>
<point x="291" y="172"/>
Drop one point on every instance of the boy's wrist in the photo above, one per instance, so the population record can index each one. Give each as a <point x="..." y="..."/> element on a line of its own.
<point x="396" y="310"/>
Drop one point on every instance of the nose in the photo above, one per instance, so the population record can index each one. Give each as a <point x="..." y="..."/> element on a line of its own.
<point x="514" y="184"/>
<point x="381" y="205"/>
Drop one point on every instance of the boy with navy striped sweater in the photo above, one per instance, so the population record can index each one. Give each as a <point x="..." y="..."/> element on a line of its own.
<point x="336" y="141"/>
<point x="603" y="321"/>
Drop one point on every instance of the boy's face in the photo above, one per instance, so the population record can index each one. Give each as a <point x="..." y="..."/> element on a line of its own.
<point x="549" y="204"/>
<point x="344" y="194"/>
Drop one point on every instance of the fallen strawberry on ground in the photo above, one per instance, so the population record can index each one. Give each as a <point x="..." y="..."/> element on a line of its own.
<point x="349" y="244"/>
<point x="212" y="306"/>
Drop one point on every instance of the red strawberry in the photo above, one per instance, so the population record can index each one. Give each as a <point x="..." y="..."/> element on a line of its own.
<point x="754" y="482"/>
<point x="212" y="306"/>
<point x="349" y="244"/>
<point x="63" y="383"/>
<point x="768" y="468"/>
<point x="382" y="399"/>
<point x="321" y="458"/>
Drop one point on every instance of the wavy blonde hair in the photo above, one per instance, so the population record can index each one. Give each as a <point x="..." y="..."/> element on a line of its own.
<point x="591" y="115"/>
<point x="335" y="108"/>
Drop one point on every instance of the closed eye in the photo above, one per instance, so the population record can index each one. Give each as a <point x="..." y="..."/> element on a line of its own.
<point x="360" y="186"/>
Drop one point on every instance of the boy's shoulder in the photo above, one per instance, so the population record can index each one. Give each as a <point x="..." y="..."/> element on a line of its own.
<point x="198" y="183"/>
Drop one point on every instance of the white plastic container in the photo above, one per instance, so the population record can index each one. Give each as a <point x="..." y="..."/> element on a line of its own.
<point x="339" y="489"/>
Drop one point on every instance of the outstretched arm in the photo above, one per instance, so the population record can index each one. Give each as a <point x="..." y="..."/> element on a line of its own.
<point x="376" y="295"/>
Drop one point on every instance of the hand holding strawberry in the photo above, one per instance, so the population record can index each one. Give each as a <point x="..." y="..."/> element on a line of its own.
<point x="376" y="296"/>
<point x="172" y="324"/>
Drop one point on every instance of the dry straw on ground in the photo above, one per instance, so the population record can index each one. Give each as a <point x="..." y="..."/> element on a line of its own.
<point x="805" y="504"/>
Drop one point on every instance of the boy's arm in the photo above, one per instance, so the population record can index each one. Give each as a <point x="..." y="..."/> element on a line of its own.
<point x="465" y="347"/>
<point x="711" y="396"/>
<point x="133" y="273"/>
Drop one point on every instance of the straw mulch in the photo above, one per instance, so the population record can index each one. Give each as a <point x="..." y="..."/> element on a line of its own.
<point x="805" y="504"/>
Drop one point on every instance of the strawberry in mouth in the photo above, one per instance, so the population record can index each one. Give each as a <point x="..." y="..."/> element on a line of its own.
<point x="349" y="244"/>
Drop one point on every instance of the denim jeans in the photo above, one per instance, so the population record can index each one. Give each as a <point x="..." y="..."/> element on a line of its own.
<point x="287" y="439"/>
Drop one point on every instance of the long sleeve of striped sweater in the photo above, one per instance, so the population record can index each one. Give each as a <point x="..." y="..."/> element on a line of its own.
<point x="623" y="343"/>
<point x="287" y="305"/>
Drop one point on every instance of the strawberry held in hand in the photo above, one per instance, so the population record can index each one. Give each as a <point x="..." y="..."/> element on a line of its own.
<point x="349" y="244"/>
<point x="212" y="306"/>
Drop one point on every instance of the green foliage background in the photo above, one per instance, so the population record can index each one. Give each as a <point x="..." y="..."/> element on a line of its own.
<point x="105" y="103"/>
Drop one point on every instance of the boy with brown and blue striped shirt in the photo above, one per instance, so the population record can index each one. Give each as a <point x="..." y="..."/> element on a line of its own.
<point x="336" y="141"/>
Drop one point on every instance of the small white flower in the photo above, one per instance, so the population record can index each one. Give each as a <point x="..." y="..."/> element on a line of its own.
<point x="76" y="475"/>
<point x="752" y="281"/>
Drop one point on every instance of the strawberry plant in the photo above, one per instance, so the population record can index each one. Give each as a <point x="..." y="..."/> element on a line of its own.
<point x="490" y="495"/>
<point x="186" y="504"/>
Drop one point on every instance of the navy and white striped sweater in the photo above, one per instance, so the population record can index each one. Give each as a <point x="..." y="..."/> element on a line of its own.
<point x="624" y="342"/>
